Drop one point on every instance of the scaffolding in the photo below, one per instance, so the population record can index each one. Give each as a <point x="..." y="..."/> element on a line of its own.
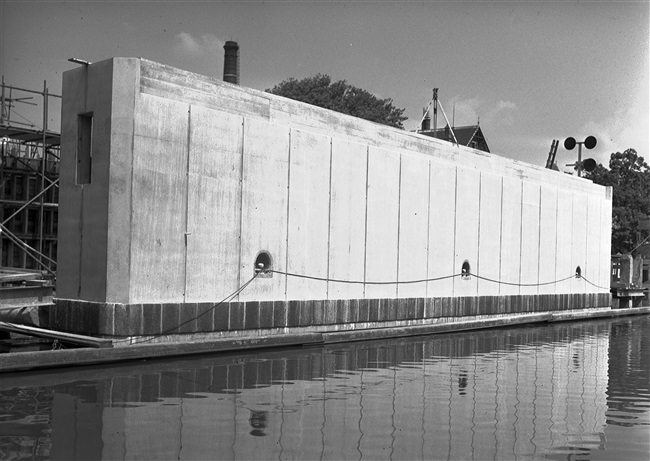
<point x="29" y="181"/>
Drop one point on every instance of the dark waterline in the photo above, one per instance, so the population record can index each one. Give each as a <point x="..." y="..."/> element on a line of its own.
<point x="575" y="390"/>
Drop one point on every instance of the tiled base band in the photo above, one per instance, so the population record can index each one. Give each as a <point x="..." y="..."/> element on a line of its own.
<point x="112" y="319"/>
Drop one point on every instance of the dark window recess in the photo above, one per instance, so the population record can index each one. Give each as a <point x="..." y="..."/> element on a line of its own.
<point x="263" y="264"/>
<point x="465" y="270"/>
<point x="84" y="148"/>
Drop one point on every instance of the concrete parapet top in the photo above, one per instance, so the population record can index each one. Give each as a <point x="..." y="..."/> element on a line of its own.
<point x="176" y="84"/>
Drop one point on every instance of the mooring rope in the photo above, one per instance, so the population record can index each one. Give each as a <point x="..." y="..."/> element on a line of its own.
<point x="593" y="284"/>
<point x="434" y="279"/>
<point x="170" y="330"/>
<point x="327" y="279"/>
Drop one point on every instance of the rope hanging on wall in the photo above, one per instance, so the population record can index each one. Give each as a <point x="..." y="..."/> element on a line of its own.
<point x="223" y="301"/>
<point x="231" y="296"/>
<point x="435" y="279"/>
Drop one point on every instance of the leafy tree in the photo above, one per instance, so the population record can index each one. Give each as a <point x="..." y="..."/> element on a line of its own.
<point x="341" y="97"/>
<point x="629" y="176"/>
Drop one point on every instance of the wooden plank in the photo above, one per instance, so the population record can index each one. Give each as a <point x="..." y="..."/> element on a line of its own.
<point x="18" y="277"/>
<point x="67" y="337"/>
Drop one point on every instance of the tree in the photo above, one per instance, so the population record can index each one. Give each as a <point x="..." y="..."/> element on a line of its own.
<point x="341" y="97"/>
<point x="629" y="176"/>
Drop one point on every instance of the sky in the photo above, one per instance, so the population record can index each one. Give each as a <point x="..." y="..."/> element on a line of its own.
<point x="527" y="71"/>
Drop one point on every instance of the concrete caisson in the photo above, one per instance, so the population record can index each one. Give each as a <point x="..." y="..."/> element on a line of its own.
<point x="193" y="178"/>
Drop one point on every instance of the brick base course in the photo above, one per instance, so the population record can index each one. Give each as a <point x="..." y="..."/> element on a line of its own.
<point x="111" y="319"/>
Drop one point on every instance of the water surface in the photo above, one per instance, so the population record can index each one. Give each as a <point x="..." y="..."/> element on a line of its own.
<point x="576" y="390"/>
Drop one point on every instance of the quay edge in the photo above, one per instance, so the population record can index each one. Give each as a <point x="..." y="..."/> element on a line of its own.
<point x="186" y="345"/>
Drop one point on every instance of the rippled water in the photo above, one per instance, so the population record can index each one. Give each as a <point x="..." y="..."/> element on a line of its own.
<point x="575" y="390"/>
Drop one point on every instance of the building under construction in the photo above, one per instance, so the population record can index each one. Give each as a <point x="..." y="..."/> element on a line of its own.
<point x="29" y="175"/>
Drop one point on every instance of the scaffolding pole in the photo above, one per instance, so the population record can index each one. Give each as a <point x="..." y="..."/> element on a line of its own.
<point x="23" y="141"/>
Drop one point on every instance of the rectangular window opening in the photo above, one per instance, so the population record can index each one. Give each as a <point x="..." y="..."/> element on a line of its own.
<point x="84" y="147"/>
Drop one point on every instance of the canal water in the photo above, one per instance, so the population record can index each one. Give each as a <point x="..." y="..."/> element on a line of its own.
<point x="577" y="390"/>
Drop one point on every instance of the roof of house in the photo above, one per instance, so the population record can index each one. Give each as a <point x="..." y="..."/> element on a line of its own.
<point x="471" y="136"/>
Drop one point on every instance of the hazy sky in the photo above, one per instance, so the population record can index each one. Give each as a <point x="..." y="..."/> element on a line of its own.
<point x="530" y="71"/>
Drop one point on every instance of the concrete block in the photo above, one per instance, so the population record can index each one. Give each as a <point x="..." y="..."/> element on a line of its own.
<point x="411" y="308"/>
<point x="279" y="314"/>
<point x="91" y="319"/>
<point x="347" y="218"/>
<point x="555" y="302"/>
<point x="481" y="303"/>
<point x="308" y="230"/>
<point x="590" y="299"/>
<point x="530" y="242"/>
<point x="170" y="318"/>
<point x="504" y="304"/>
<point x="484" y="304"/>
<point x="520" y="303"/>
<point x="151" y="319"/>
<point x="606" y="299"/>
<point x="52" y="319"/>
<point x="382" y="213"/>
<point x="445" y="306"/>
<point x="342" y="310"/>
<point x="429" y="305"/>
<point x="364" y="310"/>
<point x="419" y="308"/>
<point x="266" y="314"/>
<point x="205" y="317"/>
<point x="413" y="225"/>
<point x="463" y="306"/>
<point x="354" y="310"/>
<point x="437" y="307"/>
<point x="511" y="235"/>
<point x="252" y="315"/>
<point x="466" y="246"/>
<point x="544" y="302"/>
<point x="535" y="303"/>
<point x="442" y="219"/>
<point x="237" y="316"/>
<point x="215" y="156"/>
<point x="373" y="310"/>
<point x="468" y="305"/>
<point x="222" y="317"/>
<point x="121" y="319"/>
<point x="574" y="301"/>
<point x="396" y="309"/>
<point x="318" y="314"/>
<point x="187" y="318"/>
<point x="490" y="228"/>
<point x="264" y="205"/>
<point x="106" y="319"/>
<point x="74" y="320"/>
<point x="293" y="313"/>
<point x="329" y="309"/>
<point x="306" y="313"/>
<point x="473" y="305"/>
<point x="456" y="306"/>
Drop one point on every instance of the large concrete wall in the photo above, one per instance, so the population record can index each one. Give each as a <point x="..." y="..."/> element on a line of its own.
<point x="193" y="177"/>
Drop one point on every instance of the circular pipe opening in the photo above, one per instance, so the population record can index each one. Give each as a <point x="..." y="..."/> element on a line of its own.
<point x="465" y="270"/>
<point x="263" y="264"/>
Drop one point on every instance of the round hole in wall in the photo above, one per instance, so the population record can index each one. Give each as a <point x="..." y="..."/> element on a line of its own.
<point x="263" y="264"/>
<point x="578" y="272"/>
<point x="465" y="270"/>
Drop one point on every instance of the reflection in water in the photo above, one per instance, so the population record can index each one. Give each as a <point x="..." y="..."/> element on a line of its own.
<point x="570" y="390"/>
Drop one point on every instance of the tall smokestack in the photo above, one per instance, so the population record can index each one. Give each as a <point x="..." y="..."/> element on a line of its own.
<point x="231" y="63"/>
